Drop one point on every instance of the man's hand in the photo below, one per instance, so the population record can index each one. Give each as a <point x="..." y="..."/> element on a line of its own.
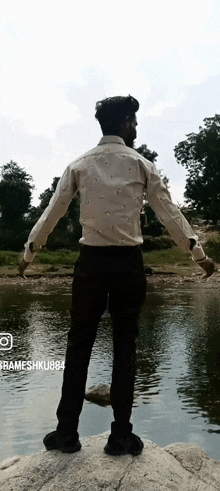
<point x="22" y="266"/>
<point x="208" y="267"/>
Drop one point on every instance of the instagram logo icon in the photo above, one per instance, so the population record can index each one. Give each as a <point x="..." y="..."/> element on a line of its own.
<point x="6" y="341"/>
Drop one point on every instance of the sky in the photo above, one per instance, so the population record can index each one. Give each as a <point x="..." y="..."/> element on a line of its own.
<point x="58" y="58"/>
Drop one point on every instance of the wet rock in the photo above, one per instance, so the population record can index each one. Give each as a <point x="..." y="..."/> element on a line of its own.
<point x="179" y="467"/>
<point x="99" y="394"/>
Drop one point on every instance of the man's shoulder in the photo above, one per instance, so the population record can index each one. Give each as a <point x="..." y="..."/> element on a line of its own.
<point x="114" y="148"/>
<point x="83" y="156"/>
<point x="142" y="160"/>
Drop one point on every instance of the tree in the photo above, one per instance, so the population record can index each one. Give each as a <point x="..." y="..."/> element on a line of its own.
<point x="147" y="153"/>
<point x="15" y="199"/>
<point x="149" y="222"/>
<point x="48" y="193"/>
<point x="68" y="230"/>
<point x="200" y="155"/>
<point x="15" y="193"/>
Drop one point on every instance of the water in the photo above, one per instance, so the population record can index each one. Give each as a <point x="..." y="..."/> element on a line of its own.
<point x="177" y="392"/>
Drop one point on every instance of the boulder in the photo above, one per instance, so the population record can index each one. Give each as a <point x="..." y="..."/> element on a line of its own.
<point x="99" y="394"/>
<point x="178" y="467"/>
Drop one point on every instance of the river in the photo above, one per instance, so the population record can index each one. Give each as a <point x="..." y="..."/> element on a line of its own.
<point x="177" y="391"/>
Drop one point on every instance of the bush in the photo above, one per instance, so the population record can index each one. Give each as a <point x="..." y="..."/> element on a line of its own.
<point x="212" y="247"/>
<point x="157" y="243"/>
<point x="8" y="258"/>
<point x="171" y="256"/>
<point x="62" y="256"/>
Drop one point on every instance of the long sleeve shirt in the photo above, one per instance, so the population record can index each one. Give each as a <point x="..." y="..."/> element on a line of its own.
<point x="111" y="180"/>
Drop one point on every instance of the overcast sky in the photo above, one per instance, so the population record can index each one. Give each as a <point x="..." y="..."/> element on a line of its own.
<point x="59" y="57"/>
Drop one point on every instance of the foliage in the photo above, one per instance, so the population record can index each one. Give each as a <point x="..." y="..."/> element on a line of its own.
<point x="152" y="243"/>
<point x="15" y="193"/>
<point x="212" y="248"/>
<point x="147" y="153"/>
<point x="15" y="199"/>
<point x="149" y="222"/>
<point x="200" y="155"/>
<point x="68" y="230"/>
<point x="9" y="258"/>
<point x="48" y="193"/>
<point x="169" y="256"/>
<point x="61" y="256"/>
<point x="191" y="214"/>
<point x="13" y="172"/>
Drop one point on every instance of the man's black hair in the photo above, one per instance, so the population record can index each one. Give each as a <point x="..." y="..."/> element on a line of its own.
<point x="112" y="111"/>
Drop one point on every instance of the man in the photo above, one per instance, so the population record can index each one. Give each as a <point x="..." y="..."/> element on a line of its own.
<point x="111" y="179"/>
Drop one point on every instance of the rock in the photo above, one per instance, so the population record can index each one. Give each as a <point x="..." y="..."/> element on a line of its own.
<point x="8" y="462"/>
<point x="100" y="394"/>
<point x="178" y="467"/>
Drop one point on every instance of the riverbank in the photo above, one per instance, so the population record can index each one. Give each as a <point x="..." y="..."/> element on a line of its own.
<point x="61" y="264"/>
<point x="180" y="467"/>
<point x="161" y="257"/>
<point x="175" y="275"/>
<point x="171" y="262"/>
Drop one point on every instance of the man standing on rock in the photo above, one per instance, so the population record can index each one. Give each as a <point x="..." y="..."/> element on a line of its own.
<point x="111" y="179"/>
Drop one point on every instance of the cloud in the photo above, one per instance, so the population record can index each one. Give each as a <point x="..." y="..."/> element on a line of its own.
<point x="60" y="58"/>
<point x="16" y="141"/>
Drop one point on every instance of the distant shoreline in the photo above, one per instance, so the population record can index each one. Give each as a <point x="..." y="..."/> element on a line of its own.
<point x="37" y="274"/>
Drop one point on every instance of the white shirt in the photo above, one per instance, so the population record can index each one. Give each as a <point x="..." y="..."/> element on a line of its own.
<point x="111" y="179"/>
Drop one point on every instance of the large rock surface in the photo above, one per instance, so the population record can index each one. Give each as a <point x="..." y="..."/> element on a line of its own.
<point x="179" y="467"/>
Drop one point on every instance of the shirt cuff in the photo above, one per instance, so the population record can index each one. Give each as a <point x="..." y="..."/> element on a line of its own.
<point x="28" y="255"/>
<point x="198" y="252"/>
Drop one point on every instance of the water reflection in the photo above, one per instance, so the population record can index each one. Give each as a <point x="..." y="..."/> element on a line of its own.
<point x="202" y="383"/>
<point x="177" y="392"/>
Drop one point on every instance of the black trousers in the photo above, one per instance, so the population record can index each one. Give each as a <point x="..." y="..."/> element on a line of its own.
<point x="116" y="275"/>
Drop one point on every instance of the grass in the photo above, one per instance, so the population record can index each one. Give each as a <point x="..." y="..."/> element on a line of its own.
<point x="48" y="263"/>
<point x="64" y="257"/>
<point x="172" y="256"/>
<point x="63" y="260"/>
<point x="212" y="246"/>
<point x="9" y="258"/>
<point x="68" y="258"/>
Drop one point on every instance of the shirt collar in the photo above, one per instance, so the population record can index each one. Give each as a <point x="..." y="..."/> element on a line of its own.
<point x="111" y="139"/>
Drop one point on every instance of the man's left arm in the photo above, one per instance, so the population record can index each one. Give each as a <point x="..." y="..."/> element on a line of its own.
<point x="171" y="217"/>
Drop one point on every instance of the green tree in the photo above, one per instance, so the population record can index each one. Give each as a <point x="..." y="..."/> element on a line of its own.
<point x="48" y="193"/>
<point x="200" y="155"/>
<point x="67" y="232"/>
<point x="149" y="222"/>
<point x="15" y="198"/>
<point x="147" y="153"/>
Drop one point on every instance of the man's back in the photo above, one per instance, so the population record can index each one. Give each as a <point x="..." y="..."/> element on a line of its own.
<point x="111" y="183"/>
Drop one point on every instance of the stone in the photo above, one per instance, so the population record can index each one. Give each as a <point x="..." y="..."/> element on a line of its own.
<point x="8" y="462"/>
<point x="178" y="467"/>
<point x="99" y="394"/>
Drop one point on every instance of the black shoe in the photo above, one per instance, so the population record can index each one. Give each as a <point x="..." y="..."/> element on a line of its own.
<point x="65" y="443"/>
<point x="121" y="446"/>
